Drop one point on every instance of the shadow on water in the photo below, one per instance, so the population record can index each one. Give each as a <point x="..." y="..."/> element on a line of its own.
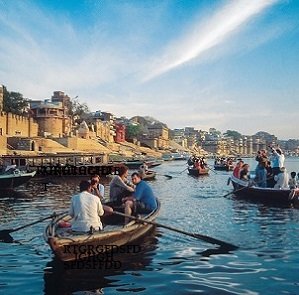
<point x="93" y="275"/>
<point x="13" y="194"/>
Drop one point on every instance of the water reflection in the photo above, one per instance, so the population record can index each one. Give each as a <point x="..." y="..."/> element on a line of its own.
<point x="63" y="278"/>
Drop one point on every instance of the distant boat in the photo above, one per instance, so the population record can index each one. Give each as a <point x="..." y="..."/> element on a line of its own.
<point x="224" y="164"/>
<point x="133" y="164"/>
<point x="14" y="178"/>
<point x="149" y="175"/>
<point x="198" y="172"/>
<point x="153" y="163"/>
<point x="168" y="157"/>
<point x="179" y="156"/>
<point x="224" y="167"/>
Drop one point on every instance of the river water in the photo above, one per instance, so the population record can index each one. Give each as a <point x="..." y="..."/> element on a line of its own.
<point x="266" y="261"/>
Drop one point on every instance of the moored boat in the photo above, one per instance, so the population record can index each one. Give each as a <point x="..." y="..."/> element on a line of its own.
<point x="270" y="195"/>
<point x="69" y="246"/>
<point x="198" y="172"/>
<point x="167" y="157"/>
<point x="15" y="178"/>
<point x="133" y="164"/>
<point x="180" y="156"/>
<point x="153" y="163"/>
<point x="149" y="175"/>
<point x="224" y="167"/>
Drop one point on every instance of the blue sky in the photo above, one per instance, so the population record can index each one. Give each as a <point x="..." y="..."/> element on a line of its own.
<point x="223" y="64"/>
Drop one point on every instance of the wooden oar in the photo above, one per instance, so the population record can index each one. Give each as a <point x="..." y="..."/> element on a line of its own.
<point x="209" y="167"/>
<point x="5" y="233"/>
<point x="183" y="170"/>
<point x="166" y="175"/>
<point x="194" y="235"/>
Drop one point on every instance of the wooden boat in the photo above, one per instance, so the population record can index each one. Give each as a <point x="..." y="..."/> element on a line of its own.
<point x="224" y="167"/>
<point x="281" y="196"/>
<point x="133" y="164"/>
<point x="149" y="175"/>
<point x="68" y="246"/>
<point x="153" y="163"/>
<point x="15" y="178"/>
<point x="180" y="156"/>
<point x="167" y="157"/>
<point x="198" y="172"/>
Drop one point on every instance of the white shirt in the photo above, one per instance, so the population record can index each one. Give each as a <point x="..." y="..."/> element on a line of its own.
<point x="86" y="210"/>
<point x="101" y="189"/>
<point x="282" y="180"/>
<point x="277" y="159"/>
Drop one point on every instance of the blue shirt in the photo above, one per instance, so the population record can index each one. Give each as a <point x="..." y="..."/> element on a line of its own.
<point x="144" y="194"/>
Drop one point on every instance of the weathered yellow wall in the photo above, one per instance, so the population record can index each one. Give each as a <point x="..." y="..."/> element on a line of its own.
<point x="2" y="123"/>
<point x="15" y="125"/>
<point x="103" y="130"/>
<point x="3" y="143"/>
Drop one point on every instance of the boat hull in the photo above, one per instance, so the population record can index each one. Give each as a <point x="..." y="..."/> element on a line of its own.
<point x="149" y="175"/>
<point x="68" y="249"/>
<point x="268" y="195"/>
<point x="196" y="172"/>
<point x="14" y="180"/>
<point x="224" y="167"/>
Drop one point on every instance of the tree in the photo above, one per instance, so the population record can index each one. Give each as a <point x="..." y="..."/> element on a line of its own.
<point x="14" y="102"/>
<point x="232" y="133"/>
<point x="133" y="131"/>
<point x="77" y="110"/>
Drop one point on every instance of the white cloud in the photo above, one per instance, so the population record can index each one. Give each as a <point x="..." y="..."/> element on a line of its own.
<point x="206" y="35"/>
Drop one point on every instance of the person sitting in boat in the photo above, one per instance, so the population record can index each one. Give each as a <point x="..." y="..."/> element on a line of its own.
<point x="237" y="170"/>
<point x="120" y="187"/>
<point x="203" y="163"/>
<point x="143" y="169"/>
<point x="293" y="181"/>
<point x="244" y="173"/>
<point x="282" y="179"/>
<point x="260" y="170"/>
<point x="191" y="161"/>
<point x="86" y="209"/>
<point x="196" y="164"/>
<point x="143" y="199"/>
<point x="10" y="169"/>
<point x="97" y="188"/>
<point x="270" y="176"/>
